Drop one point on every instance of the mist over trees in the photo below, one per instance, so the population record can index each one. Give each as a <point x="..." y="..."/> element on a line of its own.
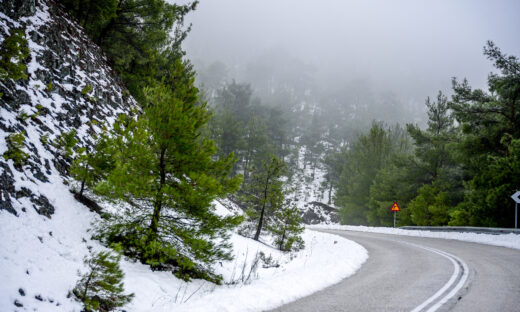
<point x="456" y="166"/>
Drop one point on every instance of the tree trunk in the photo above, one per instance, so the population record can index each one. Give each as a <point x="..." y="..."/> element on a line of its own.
<point x="82" y="188"/>
<point x="330" y="192"/>
<point x="109" y="25"/>
<point x="283" y="238"/>
<point x="157" y="206"/>
<point x="261" y="221"/>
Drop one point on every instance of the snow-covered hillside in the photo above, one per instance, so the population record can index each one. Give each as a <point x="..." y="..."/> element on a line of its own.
<point x="69" y="85"/>
<point x="46" y="232"/>
<point x="309" y="192"/>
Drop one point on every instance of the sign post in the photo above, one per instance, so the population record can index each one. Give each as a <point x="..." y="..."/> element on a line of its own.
<point x="516" y="198"/>
<point x="395" y="208"/>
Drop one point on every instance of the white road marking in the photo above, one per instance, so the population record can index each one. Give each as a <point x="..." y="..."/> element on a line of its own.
<point x="457" y="265"/>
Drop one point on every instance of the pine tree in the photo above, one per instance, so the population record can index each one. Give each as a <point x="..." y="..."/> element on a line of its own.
<point x="15" y="144"/>
<point x="490" y="123"/>
<point x="13" y="55"/>
<point x="168" y="173"/>
<point x="286" y="225"/>
<point x="264" y="194"/>
<point x="101" y="287"/>
<point x="91" y="164"/>
<point x="362" y="161"/>
<point x="442" y="183"/>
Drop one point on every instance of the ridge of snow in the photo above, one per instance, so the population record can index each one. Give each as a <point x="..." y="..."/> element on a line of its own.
<point x="503" y="240"/>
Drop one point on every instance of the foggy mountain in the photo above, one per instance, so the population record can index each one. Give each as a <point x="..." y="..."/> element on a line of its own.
<point x="409" y="49"/>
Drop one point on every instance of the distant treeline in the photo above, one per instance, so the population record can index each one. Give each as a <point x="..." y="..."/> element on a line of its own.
<point x="460" y="170"/>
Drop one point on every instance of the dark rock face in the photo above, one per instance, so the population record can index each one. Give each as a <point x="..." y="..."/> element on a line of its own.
<point x="43" y="206"/>
<point x="19" y="8"/>
<point x="6" y="188"/>
<point x="63" y="62"/>
<point x="317" y="212"/>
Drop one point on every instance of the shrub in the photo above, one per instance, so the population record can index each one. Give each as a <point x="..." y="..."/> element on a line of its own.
<point x="101" y="288"/>
<point x="13" y="53"/>
<point x="15" y="144"/>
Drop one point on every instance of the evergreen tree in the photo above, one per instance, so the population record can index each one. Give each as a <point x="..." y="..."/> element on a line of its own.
<point x="362" y="162"/>
<point x="333" y="165"/>
<point x="256" y="144"/>
<point x="286" y="225"/>
<point x="490" y="123"/>
<point x="136" y="35"/>
<point x="441" y="185"/>
<point x="264" y="194"/>
<point x="101" y="287"/>
<point x="15" y="144"/>
<point x="167" y="172"/>
<point x="92" y="164"/>
<point x="13" y="55"/>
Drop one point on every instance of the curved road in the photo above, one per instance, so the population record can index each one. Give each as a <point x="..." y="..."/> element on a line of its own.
<point x="416" y="274"/>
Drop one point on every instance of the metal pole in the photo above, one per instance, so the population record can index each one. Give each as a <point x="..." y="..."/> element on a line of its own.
<point x="516" y="216"/>
<point x="395" y="212"/>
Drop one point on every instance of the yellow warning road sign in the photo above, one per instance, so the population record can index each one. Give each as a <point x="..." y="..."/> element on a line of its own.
<point x="395" y="207"/>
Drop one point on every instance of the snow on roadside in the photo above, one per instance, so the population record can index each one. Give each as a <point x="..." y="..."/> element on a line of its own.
<point x="276" y="279"/>
<point x="326" y="260"/>
<point x="504" y="240"/>
<point x="42" y="256"/>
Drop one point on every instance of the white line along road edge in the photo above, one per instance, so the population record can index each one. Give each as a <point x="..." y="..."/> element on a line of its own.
<point x="457" y="265"/>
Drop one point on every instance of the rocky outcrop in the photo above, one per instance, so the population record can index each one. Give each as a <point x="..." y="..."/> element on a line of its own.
<point x="70" y="84"/>
<point x="319" y="213"/>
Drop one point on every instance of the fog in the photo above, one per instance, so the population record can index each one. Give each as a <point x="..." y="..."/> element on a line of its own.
<point x="407" y="48"/>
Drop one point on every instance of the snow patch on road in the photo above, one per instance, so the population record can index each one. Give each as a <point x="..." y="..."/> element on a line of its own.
<point x="504" y="240"/>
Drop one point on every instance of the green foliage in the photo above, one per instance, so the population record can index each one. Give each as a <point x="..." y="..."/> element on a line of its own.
<point x="101" y="287"/>
<point x="22" y="115"/>
<point x="65" y="143"/>
<point x="286" y="226"/>
<point x="399" y="180"/>
<point x="490" y="124"/>
<point x="44" y="139"/>
<point x="15" y="144"/>
<point x="441" y="181"/>
<point x="135" y="34"/>
<point x="431" y="206"/>
<point x="459" y="217"/>
<point x="369" y="154"/>
<point x="264" y="194"/>
<point x="86" y="89"/>
<point x="89" y="167"/>
<point x="168" y="173"/>
<point x="49" y="87"/>
<point x="245" y="127"/>
<point x="13" y="54"/>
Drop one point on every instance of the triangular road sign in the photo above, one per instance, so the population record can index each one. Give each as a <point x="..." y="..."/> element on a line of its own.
<point x="395" y="207"/>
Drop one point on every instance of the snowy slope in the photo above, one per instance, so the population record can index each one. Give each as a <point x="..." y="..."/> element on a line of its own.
<point x="41" y="257"/>
<point x="308" y="192"/>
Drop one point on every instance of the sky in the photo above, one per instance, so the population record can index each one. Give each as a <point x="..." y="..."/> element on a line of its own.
<point x="410" y="47"/>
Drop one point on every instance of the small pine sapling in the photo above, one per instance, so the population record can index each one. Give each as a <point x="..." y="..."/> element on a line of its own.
<point x="286" y="227"/>
<point x="13" y="55"/>
<point x="65" y="143"/>
<point x="15" y="144"/>
<point x="101" y="288"/>
<point x="90" y="166"/>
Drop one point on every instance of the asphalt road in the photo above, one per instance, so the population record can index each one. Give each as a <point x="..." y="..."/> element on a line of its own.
<point x="422" y="274"/>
